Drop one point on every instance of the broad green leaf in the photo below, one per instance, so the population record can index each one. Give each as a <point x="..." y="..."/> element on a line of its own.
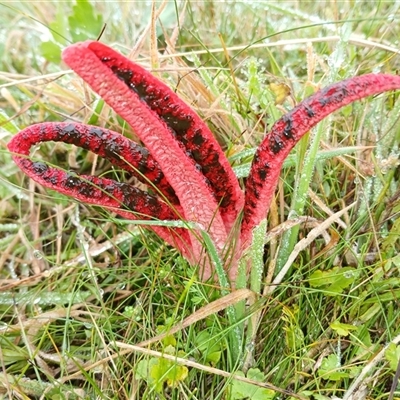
<point x="51" y="51"/>
<point x="243" y="390"/>
<point x="330" y="369"/>
<point x="342" y="329"/>
<point x="84" y="22"/>
<point x="168" y="340"/>
<point x="158" y="371"/>
<point x="333" y="281"/>
<point x="392" y="354"/>
<point x="176" y="374"/>
<point x="209" y="347"/>
<point x="214" y="357"/>
<point x="142" y="370"/>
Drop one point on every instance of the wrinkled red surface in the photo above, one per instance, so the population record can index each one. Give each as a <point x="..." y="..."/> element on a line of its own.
<point x="127" y="200"/>
<point x="182" y="160"/>
<point x="190" y="185"/>
<point x="289" y="129"/>
<point x="120" y="151"/>
<point x="192" y="134"/>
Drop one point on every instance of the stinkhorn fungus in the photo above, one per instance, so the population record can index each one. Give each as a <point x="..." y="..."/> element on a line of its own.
<point x="182" y="162"/>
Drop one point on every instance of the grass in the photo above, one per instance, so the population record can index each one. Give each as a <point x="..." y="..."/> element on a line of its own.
<point x="81" y="290"/>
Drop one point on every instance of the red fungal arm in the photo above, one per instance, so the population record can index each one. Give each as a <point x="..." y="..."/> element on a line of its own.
<point x="288" y="130"/>
<point x="126" y="200"/>
<point x="119" y="150"/>
<point x="186" y="163"/>
<point x="183" y="123"/>
<point x="110" y="75"/>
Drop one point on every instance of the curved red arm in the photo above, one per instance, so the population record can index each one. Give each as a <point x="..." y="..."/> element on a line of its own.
<point x="126" y="200"/>
<point x="186" y="127"/>
<point x="288" y="130"/>
<point x="119" y="150"/>
<point x="182" y="158"/>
